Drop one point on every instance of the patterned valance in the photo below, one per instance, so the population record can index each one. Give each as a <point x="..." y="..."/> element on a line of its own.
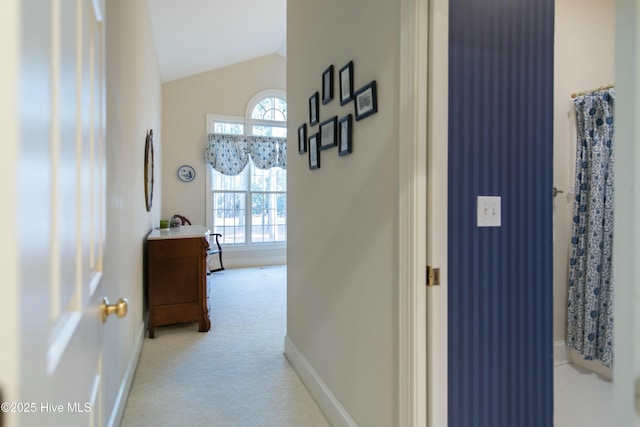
<point x="229" y="154"/>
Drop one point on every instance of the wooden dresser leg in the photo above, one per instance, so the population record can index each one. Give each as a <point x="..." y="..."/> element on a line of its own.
<point x="152" y="333"/>
<point x="204" y="324"/>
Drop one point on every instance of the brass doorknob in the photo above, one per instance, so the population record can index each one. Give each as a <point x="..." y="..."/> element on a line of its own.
<point x="119" y="308"/>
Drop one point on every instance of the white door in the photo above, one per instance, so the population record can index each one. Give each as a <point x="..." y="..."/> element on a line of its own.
<point x="626" y="370"/>
<point x="55" y="136"/>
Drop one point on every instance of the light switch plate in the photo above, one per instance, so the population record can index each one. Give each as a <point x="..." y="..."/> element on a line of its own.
<point x="489" y="211"/>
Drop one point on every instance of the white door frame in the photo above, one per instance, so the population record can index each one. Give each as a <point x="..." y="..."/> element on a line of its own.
<point x="412" y="214"/>
<point x="422" y="211"/>
<point x="437" y="214"/>
<point x="627" y="212"/>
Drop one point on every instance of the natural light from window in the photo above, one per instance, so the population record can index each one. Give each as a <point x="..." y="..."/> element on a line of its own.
<point x="251" y="208"/>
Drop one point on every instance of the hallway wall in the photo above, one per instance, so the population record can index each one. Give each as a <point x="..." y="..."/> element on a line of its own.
<point x="343" y="221"/>
<point x="584" y="59"/>
<point x="133" y="107"/>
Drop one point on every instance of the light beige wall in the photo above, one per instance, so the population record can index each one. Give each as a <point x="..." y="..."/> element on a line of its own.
<point x="185" y="102"/>
<point x="584" y="59"/>
<point x="343" y="222"/>
<point x="133" y="107"/>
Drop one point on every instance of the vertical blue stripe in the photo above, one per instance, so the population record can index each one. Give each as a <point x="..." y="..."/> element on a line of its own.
<point x="500" y="279"/>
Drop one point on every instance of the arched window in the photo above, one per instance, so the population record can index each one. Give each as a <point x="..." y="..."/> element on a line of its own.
<point x="267" y="114"/>
<point x="272" y="108"/>
<point x="250" y="208"/>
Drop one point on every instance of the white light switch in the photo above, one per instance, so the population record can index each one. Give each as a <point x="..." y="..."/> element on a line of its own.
<point x="489" y="211"/>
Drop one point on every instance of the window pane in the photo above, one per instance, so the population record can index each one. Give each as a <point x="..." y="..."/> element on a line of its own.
<point x="261" y="109"/>
<point x="258" y="206"/>
<point x="281" y="179"/>
<point x="222" y="182"/>
<point x="274" y="179"/>
<point x="235" y="128"/>
<point x="281" y="232"/>
<point x="271" y="108"/>
<point x="268" y="217"/>
<point x="281" y="106"/>
<point x="265" y="130"/>
<point x="281" y="218"/>
<point x="229" y="215"/>
<point x="260" y="179"/>
<point x="281" y="206"/>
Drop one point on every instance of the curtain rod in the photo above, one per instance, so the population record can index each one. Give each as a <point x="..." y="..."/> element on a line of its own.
<point x="584" y="92"/>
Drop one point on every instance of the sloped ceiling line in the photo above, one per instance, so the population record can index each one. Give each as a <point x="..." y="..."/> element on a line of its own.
<point x="194" y="36"/>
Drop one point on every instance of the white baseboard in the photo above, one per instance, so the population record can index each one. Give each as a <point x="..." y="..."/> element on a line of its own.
<point x="560" y="353"/>
<point x="247" y="262"/>
<point x="563" y="355"/>
<point x="331" y="408"/>
<point x="125" y="386"/>
<point x="595" y="366"/>
<point x="249" y="257"/>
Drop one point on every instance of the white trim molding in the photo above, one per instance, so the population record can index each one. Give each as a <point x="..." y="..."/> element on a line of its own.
<point x="250" y="256"/>
<point x="437" y="216"/>
<point x="328" y="403"/>
<point x="626" y="249"/>
<point x="578" y="360"/>
<point x="560" y="354"/>
<point x="412" y="214"/>
<point x="117" y="411"/>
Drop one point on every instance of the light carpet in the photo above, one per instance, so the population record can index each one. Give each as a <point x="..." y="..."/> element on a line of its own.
<point x="234" y="375"/>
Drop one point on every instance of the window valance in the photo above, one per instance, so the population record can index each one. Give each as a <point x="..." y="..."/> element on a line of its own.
<point x="229" y="154"/>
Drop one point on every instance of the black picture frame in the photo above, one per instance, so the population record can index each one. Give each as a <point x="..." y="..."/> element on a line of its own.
<point x="365" y="101"/>
<point x="314" y="109"/>
<point x="302" y="139"/>
<point x="346" y="83"/>
<point x="327" y="85"/>
<point x="328" y="133"/>
<point x="345" y="126"/>
<point x="314" y="152"/>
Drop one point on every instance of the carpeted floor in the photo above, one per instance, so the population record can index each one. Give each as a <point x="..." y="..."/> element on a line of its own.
<point x="234" y="375"/>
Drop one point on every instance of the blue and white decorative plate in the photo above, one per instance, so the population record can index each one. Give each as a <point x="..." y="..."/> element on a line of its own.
<point x="186" y="173"/>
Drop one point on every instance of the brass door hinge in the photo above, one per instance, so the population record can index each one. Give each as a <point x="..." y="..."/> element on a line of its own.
<point x="433" y="276"/>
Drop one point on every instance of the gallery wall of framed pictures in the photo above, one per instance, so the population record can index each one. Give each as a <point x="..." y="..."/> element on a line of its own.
<point x="336" y="131"/>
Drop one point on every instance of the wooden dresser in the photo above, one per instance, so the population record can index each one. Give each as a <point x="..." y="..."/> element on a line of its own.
<point x="177" y="277"/>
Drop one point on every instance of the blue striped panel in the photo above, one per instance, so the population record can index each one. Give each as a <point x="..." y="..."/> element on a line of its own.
<point x="500" y="279"/>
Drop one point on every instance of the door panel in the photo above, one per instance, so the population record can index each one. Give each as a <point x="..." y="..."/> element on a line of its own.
<point x="77" y="222"/>
<point x="61" y="211"/>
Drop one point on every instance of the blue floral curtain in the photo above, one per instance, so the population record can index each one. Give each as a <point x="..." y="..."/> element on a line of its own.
<point x="229" y="154"/>
<point x="590" y="301"/>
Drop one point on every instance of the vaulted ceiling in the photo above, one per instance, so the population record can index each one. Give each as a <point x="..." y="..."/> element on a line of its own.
<point x="194" y="36"/>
